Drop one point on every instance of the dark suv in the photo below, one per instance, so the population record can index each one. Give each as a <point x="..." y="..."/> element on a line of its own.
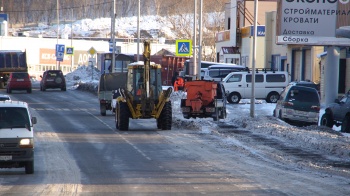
<point x="19" y="81"/>
<point x="338" y="113"/>
<point x="53" y="79"/>
<point x="298" y="104"/>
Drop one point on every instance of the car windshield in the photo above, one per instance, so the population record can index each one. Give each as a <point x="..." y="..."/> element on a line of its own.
<point x="13" y="117"/>
<point x="4" y="98"/>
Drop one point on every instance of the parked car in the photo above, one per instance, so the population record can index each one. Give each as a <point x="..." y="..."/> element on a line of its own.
<point x="19" y="81"/>
<point x="16" y="136"/>
<point x="52" y="79"/>
<point x="268" y="85"/>
<point x="338" y="113"/>
<point x="298" y="104"/>
<point x="4" y="97"/>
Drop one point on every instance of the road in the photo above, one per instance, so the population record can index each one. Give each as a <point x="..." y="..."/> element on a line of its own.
<point x="79" y="152"/>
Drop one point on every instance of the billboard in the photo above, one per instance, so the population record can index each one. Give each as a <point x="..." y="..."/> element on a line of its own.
<point x="312" y="22"/>
<point x="48" y="57"/>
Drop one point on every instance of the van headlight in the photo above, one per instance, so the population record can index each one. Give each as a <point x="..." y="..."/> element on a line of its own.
<point x="26" y="143"/>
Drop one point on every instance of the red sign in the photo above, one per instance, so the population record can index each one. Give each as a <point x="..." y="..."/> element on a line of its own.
<point x="48" y="57"/>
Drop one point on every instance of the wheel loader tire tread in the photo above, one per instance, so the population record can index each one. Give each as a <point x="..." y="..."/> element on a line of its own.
<point x="166" y="116"/>
<point x="124" y="115"/>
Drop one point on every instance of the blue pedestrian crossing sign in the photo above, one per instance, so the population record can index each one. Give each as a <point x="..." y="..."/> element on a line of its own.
<point x="59" y="52"/>
<point x="69" y="50"/>
<point x="183" y="47"/>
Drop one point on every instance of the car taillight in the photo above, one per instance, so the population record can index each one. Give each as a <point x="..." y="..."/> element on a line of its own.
<point x="315" y="107"/>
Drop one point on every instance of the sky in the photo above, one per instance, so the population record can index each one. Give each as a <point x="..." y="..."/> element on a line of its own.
<point x="322" y="139"/>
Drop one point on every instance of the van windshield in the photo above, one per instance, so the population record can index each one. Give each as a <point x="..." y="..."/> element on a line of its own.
<point x="13" y="117"/>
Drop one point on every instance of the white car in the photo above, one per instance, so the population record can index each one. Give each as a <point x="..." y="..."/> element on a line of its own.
<point x="16" y="136"/>
<point x="4" y="97"/>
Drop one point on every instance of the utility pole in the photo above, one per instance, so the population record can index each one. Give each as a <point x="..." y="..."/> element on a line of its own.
<point x="113" y="37"/>
<point x="138" y="31"/>
<point x="252" y="99"/>
<point x="200" y="40"/>
<point x="195" y="38"/>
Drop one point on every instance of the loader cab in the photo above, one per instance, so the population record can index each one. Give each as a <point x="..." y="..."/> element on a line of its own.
<point x="136" y="79"/>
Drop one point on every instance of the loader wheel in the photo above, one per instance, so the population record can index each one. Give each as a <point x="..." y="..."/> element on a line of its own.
<point x="123" y="116"/>
<point x="166" y="116"/>
<point x="159" y="124"/>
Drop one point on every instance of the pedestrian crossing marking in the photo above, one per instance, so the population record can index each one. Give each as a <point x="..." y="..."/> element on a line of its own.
<point x="70" y="50"/>
<point x="183" y="47"/>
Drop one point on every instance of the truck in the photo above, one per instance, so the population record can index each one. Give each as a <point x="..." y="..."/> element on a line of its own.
<point x="143" y="97"/>
<point x="11" y="61"/>
<point x="205" y="99"/>
<point x="108" y="83"/>
<point x="111" y="79"/>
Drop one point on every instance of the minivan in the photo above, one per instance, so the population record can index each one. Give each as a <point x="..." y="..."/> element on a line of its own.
<point x="298" y="104"/>
<point x="16" y="136"/>
<point x="268" y="85"/>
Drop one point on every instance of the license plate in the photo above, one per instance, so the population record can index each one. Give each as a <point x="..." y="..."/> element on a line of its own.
<point x="301" y="113"/>
<point x="6" y="158"/>
<point x="20" y="80"/>
<point x="50" y="80"/>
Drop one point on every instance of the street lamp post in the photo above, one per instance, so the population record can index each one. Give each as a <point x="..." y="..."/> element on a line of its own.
<point x="58" y="28"/>
<point x="113" y="37"/>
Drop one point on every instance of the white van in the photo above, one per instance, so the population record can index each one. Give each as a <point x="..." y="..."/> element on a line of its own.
<point x="268" y="85"/>
<point x="216" y="74"/>
<point x="219" y="72"/>
<point x="229" y="66"/>
<point x="16" y="136"/>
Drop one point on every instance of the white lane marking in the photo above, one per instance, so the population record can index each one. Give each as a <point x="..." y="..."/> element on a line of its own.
<point x="126" y="140"/>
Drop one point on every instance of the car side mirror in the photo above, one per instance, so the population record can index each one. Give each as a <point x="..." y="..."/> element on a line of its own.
<point x="336" y="101"/>
<point x="34" y="121"/>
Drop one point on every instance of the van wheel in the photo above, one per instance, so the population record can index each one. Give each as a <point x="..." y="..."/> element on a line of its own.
<point x="29" y="167"/>
<point x="272" y="97"/>
<point x="234" y="98"/>
<point x="345" y="126"/>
